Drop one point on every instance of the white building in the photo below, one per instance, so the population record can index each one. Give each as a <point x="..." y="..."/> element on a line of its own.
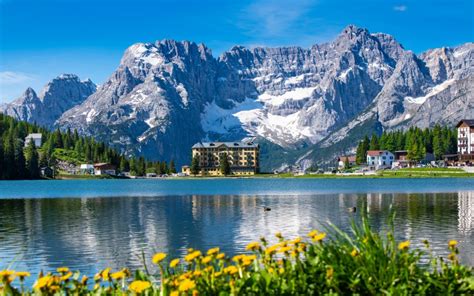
<point x="379" y="159"/>
<point x="465" y="137"/>
<point x="87" y="169"/>
<point x="104" y="169"/>
<point x="36" y="139"/>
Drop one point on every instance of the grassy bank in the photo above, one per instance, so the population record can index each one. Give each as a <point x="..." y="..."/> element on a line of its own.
<point x="360" y="262"/>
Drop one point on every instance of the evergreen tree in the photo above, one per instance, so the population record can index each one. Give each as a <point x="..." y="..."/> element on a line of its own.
<point x="2" y="168"/>
<point x="195" y="168"/>
<point x="224" y="164"/>
<point x="361" y="155"/>
<point x="32" y="160"/>
<point x="9" y="157"/>
<point x="374" y="143"/>
<point x="20" y="170"/>
<point x="124" y="165"/>
<point x="172" y="167"/>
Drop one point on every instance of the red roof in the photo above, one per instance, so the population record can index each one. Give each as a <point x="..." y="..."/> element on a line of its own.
<point x="351" y="158"/>
<point x="375" y="152"/>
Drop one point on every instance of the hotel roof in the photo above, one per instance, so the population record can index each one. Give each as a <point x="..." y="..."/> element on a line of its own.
<point x="227" y="144"/>
<point x="469" y="122"/>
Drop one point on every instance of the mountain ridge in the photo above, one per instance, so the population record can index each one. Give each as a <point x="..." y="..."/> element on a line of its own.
<point x="167" y="95"/>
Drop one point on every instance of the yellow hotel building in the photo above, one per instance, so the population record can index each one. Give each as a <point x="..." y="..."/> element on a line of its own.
<point x="243" y="157"/>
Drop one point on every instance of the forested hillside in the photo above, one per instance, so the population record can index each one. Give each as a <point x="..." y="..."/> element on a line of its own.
<point x="19" y="161"/>
<point x="438" y="141"/>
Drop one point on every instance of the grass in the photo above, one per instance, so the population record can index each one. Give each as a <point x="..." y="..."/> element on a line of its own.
<point x="334" y="262"/>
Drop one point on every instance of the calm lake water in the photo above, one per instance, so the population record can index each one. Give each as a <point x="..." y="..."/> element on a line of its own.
<point x="89" y="225"/>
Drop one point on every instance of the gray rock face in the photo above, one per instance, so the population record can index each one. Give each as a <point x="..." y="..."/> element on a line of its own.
<point x="166" y="96"/>
<point x="58" y="96"/>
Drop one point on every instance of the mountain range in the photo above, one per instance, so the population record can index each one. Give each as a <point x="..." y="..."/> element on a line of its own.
<point x="303" y="105"/>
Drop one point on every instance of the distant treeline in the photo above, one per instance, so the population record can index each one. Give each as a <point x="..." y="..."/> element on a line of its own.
<point x="437" y="140"/>
<point x="20" y="161"/>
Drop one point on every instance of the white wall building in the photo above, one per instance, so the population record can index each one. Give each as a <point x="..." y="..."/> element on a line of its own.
<point x="466" y="136"/>
<point x="379" y="159"/>
<point x="36" y="139"/>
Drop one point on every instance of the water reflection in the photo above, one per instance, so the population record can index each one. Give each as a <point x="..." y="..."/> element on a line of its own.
<point x="92" y="233"/>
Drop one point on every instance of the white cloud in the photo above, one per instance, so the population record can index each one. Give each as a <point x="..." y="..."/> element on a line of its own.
<point x="9" y="77"/>
<point x="400" y="8"/>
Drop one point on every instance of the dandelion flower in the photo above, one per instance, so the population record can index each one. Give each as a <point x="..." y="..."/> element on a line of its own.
<point x="354" y="253"/>
<point x="313" y="233"/>
<point x="213" y="251"/>
<point x="319" y="237"/>
<point x="105" y="274"/>
<point x="231" y="270"/>
<point x="330" y="272"/>
<point x="452" y="243"/>
<point x="66" y="276"/>
<point x="22" y="274"/>
<point x="404" y="245"/>
<point x="118" y="275"/>
<point x="220" y="256"/>
<point x="187" y="285"/>
<point x="206" y="259"/>
<point x="253" y="246"/>
<point x="174" y="263"/>
<point x="42" y="282"/>
<point x="158" y="258"/>
<point x="174" y="293"/>
<point x="139" y="286"/>
<point x="62" y="269"/>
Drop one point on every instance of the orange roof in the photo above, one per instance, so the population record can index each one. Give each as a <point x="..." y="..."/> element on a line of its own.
<point x="375" y="152"/>
<point x="351" y="158"/>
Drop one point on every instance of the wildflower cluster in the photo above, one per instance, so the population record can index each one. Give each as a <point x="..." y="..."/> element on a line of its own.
<point x="365" y="263"/>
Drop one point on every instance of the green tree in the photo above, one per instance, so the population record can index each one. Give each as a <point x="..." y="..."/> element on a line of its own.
<point x="224" y="164"/>
<point x="362" y="148"/>
<point x="172" y="167"/>
<point x="195" y="168"/>
<point x="374" y="143"/>
<point x="9" y="157"/>
<point x="20" y="170"/>
<point x="32" y="160"/>
<point x="124" y="165"/>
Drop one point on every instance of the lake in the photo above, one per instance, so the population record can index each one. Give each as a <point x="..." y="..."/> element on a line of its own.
<point x="92" y="224"/>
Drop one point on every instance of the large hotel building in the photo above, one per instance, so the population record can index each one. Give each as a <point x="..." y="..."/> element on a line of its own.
<point x="242" y="157"/>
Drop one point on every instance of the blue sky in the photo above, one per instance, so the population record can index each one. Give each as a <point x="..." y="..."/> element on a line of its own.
<point x="40" y="39"/>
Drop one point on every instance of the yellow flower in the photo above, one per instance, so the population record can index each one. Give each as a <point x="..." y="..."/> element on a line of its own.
<point x="238" y="258"/>
<point x="404" y="245"/>
<point x="354" y="253"/>
<point x="271" y="250"/>
<point x="6" y="273"/>
<point x="285" y="249"/>
<point x="253" y="246"/>
<point x="296" y="241"/>
<point x="206" y="259"/>
<point x="218" y="274"/>
<point x="174" y="263"/>
<point x="220" y="256"/>
<point x="158" y="258"/>
<point x="281" y="270"/>
<point x="190" y="250"/>
<point x="22" y="274"/>
<point x="139" y="286"/>
<point x="452" y="243"/>
<point x="231" y="269"/>
<point x="192" y="256"/>
<point x="62" y="269"/>
<point x="313" y="233"/>
<point x="187" y="285"/>
<point x="319" y="237"/>
<point x="452" y="257"/>
<point x="118" y="275"/>
<point x="174" y="293"/>
<point x="42" y="282"/>
<point x="105" y="274"/>
<point x="213" y="251"/>
<point x="84" y="280"/>
<point x="197" y="273"/>
<point x="54" y="288"/>
<point x="195" y="293"/>
<point x="271" y="270"/>
<point x="329" y="272"/>
<point x="66" y="276"/>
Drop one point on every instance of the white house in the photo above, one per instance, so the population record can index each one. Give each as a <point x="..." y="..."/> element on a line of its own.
<point x="87" y="169"/>
<point x="104" y="169"/>
<point x="36" y="139"/>
<point x="379" y="159"/>
<point x="466" y="138"/>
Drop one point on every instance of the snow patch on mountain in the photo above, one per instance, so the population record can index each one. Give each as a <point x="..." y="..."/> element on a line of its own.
<point x="299" y="93"/>
<point x="434" y="91"/>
